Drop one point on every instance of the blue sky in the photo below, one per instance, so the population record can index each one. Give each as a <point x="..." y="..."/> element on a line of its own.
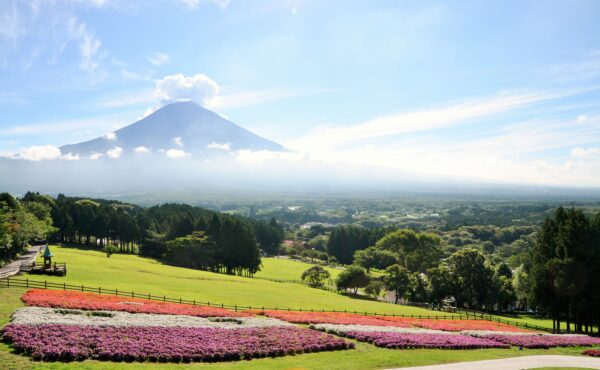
<point x="502" y="91"/>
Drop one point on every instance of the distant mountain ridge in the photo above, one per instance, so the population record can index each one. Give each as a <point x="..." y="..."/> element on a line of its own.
<point x="182" y="126"/>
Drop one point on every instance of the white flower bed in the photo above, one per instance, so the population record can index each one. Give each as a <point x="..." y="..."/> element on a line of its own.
<point x="41" y="315"/>
<point x="337" y="329"/>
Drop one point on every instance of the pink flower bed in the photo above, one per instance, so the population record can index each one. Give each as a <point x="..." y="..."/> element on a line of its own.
<point x="544" y="341"/>
<point x="69" y="342"/>
<point x="93" y="301"/>
<point x="426" y="340"/>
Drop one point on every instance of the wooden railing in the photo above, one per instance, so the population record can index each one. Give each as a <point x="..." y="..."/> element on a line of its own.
<point x="29" y="283"/>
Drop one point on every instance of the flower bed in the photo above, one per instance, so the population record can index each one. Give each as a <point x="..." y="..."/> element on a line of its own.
<point x="305" y="317"/>
<point x="591" y="352"/>
<point x="43" y="315"/>
<point x="543" y="340"/>
<point x="99" y="302"/>
<point x="459" y="325"/>
<point x="342" y="329"/>
<point x="173" y="344"/>
<point x="423" y="340"/>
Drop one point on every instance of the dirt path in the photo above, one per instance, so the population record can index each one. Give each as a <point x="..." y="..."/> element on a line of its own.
<point x="518" y="363"/>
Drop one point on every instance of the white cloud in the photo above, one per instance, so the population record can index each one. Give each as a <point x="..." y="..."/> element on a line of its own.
<point x="110" y="136"/>
<point x="176" y="153"/>
<point x="141" y="150"/>
<point x="586" y="153"/>
<point x="159" y="59"/>
<point x="259" y="156"/>
<point x="95" y="156"/>
<point x="219" y="146"/>
<point x="89" y="47"/>
<point x="114" y="153"/>
<point x="197" y="88"/>
<point x="424" y="120"/>
<point x="39" y="153"/>
<point x="177" y="141"/>
<point x="195" y="4"/>
<point x="70" y="157"/>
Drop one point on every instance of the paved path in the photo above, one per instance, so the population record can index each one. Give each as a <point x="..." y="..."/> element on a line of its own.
<point x="27" y="258"/>
<point x="518" y="363"/>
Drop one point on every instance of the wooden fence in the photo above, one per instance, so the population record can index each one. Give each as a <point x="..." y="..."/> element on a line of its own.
<point x="28" y="283"/>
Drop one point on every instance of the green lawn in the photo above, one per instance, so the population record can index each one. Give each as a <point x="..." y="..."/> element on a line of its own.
<point x="143" y="275"/>
<point x="281" y="269"/>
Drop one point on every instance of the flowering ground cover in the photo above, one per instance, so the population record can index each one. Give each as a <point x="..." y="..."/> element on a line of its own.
<point x="342" y="329"/>
<point x="591" y="352"/>
<point x="165" y="344"/>
<point x="460" y="325"/>
<point x="423" y="340"/>
<point x="543" y="340"/>
<point x="98" y="302"/>
<point x="43" y="315"/>
<point x="305" y="317"/>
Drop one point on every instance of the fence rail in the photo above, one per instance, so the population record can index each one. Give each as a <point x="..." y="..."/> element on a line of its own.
<point x="464" y="314"/>
<point x="28" y="283"/>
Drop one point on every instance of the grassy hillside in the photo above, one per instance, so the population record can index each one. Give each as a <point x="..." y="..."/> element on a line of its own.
<point x="142" y="275"/>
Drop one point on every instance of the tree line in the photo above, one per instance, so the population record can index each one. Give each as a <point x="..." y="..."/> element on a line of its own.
<point x="179" y="234"/>
<point x="564" y="272"/>
<point x="22" y="221"/>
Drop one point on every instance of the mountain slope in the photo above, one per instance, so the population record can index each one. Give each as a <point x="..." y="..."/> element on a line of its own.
<point x="182" y="125"/>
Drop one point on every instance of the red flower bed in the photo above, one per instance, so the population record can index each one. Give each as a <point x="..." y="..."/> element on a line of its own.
<point x="93" y="301"/>
<point x="304" y="317"/>
<point x="591" y="352"/>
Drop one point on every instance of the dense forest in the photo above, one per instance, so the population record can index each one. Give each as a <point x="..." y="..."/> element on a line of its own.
<point x="178" y="234"/>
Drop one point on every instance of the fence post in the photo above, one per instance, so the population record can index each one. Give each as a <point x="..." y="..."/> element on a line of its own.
<point x="27" y="282"/>
<point x="99" y="290"/>
<point x="82" y="287"/>
<point x="164" y="298"/>
<point x="64" y="286"/>
<point x="45" y="284"/>
<point x="116" y="292"/>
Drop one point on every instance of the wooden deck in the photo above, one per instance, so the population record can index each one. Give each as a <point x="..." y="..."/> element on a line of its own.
<point x="58" y="269"/>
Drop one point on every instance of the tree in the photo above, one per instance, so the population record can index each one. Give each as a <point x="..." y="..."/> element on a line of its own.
<point x="473" y="277"/>
<point x="442" y="283"/>
<point x="397" y="279"/>
<point x="353" y="277"/>
<point x="416" y="251"/>
<point x="109" y="250"/>
<point x="315" y="276"/>
<point x="373" y="257"/>
<point x="374" y="288"/>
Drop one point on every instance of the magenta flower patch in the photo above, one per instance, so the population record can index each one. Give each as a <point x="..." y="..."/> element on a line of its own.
<point x="425" y="340"/>
<point x="165" y="344"/>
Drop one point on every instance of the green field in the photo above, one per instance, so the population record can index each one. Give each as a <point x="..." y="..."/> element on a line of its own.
<point x="143" y="275"/>
<point x="127" y="272"/>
